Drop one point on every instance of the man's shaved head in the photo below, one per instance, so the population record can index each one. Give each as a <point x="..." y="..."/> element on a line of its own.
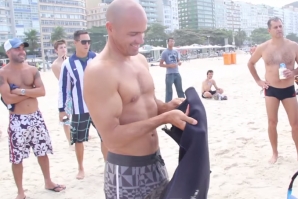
<point x="123" y="8"/>
<point x="126" y="25"/>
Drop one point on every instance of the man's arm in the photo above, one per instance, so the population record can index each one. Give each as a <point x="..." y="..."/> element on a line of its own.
<point x="162" y="62"/>
<point x="64" y="81"/>
<point x="296" y="59"/>
<point x="37" y="91"/>
<point x="214" y="84"/>
<point x="255" y="57"/>
<point x="7" y="96"/>
<point x="105" y="107"/>
<point x="56" y="70"/>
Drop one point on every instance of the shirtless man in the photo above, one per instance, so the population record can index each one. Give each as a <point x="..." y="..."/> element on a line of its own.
<point x="207" y="85"/>
<point x="275" y="51"/>
<point x="253" y="49"/>
<point x="119" y="92"/>
<point x="20" y="85"/>
<point x="61" y="50"/>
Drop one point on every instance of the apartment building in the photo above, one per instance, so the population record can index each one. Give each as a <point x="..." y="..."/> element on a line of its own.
<point x="26" y="16"/>
<point x="168" y="14"/>
<point x="92" y="3"/>
<point x="196" y="14"/>
<point x="96" y="16"/>
<point x="69" y="14"/>
<point x="7" y="29"/>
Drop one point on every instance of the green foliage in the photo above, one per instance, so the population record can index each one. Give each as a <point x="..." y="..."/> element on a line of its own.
<point x="259" y="35"/>
<point x="293" y="37"/>
<point x="184" y="37"/>
<point x="32" y="37"/>
<point x="155" y="35"/>
<point x="98" y="37"/>
<point x="58" y="34"/>
<point x="2" y="52"/>
<point x="240" y="37"/>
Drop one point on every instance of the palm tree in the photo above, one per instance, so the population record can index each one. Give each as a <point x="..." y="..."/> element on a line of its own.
<point x="2" y="51"/>
<point x="58" y="33"/>
<point x="32" y="37"/>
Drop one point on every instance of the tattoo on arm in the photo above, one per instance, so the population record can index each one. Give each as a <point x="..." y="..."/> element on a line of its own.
<point x="1" y="80"/>
<point x="37" y="75"/>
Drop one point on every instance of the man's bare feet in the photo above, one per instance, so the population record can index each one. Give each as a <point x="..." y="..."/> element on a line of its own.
<point x="55" y="187"/>
<point x="81" y="174"/>
<point x="21" y="196"/>
<point x="273" y="158"/>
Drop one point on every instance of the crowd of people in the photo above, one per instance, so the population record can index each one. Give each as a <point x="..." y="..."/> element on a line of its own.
<point x="114" y="92"/>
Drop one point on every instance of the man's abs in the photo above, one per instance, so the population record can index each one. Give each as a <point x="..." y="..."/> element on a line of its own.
<point x="272" y="77"/>
<point x="145" y="145"/>
<point x="27" y="106"/>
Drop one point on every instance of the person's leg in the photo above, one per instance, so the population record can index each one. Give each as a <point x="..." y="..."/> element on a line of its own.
<point x="82" y="133"/>
<point x="272" y="105"/>
<point x="178" y="85"/>
<point x="41" y="144"/>
<point x="66" y="129"/>
<point x="19" y="149"/>
<point x="220" y="91"/>
<point x="291" y="107"/>
<point x="17" y="170"/>
<point x="169" y="89"/>
<point x="207" y="95"/>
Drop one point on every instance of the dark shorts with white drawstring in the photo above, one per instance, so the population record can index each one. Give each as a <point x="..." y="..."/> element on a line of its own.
<point x="134" y="177"/>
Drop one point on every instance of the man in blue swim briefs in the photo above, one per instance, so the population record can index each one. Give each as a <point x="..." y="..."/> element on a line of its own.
<point x="119" y="93"/>
<point x="277" y="87"/>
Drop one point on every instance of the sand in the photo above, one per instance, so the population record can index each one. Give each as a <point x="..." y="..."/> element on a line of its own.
<point x="238" y="141"/>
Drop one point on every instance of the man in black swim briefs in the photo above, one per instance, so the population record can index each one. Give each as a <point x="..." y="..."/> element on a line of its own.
<point x="207" y="85"/>
<point x="275" y="52"/>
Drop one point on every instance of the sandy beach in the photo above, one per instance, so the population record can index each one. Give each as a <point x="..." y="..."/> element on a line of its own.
<point x="238" y="141"/>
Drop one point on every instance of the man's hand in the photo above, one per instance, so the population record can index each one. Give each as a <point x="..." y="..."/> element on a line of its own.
<point x="263" y="84"/>
<point x="179" y="63"/>
<point x="16" y="91"/>
<point x="288" y="73"/>
<point x="179" y="119"/>
<point x="174" y="103"/>
<point x="61" y="115"/>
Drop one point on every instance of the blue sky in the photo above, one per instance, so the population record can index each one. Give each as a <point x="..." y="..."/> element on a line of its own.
<point x="276" y="3"/>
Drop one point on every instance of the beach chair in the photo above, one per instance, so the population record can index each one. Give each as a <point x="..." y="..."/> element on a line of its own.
<point x="290" y="196"/>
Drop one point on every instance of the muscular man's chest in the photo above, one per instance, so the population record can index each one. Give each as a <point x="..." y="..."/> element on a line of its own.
<point x="134" y="85"/>
<point x="22" y="79"/>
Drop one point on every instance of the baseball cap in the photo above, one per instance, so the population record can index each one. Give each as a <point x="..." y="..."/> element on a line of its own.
<point x="14" y="43"/>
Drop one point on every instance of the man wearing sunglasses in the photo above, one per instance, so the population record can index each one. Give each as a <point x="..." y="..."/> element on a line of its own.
<point x="71" y="81"/>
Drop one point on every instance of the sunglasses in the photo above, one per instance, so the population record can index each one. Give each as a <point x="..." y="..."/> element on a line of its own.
<point x="84" y="42"/>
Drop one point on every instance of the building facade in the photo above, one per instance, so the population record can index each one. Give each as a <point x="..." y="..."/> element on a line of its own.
<point x="7" y="28"/>
<point x="69" y="14"/>
<point x="26" y="17"/>
<point x="168" y="14"/>
<point x="97" y="16"/>
<point x="196" y="14"/>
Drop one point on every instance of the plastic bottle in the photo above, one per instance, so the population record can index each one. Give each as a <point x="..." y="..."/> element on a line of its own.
<point x="65" y="121"/>
<point x="282" y="68"/>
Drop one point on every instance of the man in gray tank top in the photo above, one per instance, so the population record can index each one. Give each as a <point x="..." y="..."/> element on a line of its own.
<point x="170" y="59"/>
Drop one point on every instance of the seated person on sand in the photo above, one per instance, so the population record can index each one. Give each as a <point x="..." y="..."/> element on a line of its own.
<point x="206" y="88"/>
